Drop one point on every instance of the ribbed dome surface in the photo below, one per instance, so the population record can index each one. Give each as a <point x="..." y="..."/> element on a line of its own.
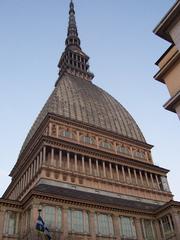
<point x="83" y="101"/>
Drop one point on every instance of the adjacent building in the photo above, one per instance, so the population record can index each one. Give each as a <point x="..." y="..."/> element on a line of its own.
<point x="169" y="62"/>
<point x="87" y="167"/>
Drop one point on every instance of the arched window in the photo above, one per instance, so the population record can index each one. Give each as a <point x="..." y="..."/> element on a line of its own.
<point x="139" y="154"/>
<point x="67" y="133"/>
<point x="87" y="139"/>
<point x="106" y="145"/>
<point x="123" y="149"/>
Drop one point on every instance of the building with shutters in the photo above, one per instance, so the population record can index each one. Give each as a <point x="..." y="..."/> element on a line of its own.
<point x="87" y="167"/>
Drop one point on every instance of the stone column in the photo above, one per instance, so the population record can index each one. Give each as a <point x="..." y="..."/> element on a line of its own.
<point x="141" y="177"/>
<point x="129" y="173"/>
<point x="147" y="180"/>
<point x="37" y="163"/>
<point x="123" y="172"/>
<point x="40" y="158"/>
<point x="44" y="154"/>
<point x="158" y="230"/>
<point x="64" y="223"/>
<point x="34" y="168"/>
<point x="92" y="225"/>
<point x="157" y="180"/>
<point x="138" y="229"/>
<point x="83" y="165"/>
<point x="97" y="167"/>
<point x="68" y="160"/>
<point x="52" y="157"/>
<point x="110" y="168"/>
<point x="90" y="166"/>
<point x="60" y="158"/>
<point x="75" y="162"/>
<point x="117" y="172"/>
<point x="170" y="223"/>
<point x="86" y="222"/>
<point x="29" y="177"/>
<point x="32" y="173"/>
<point x="135" y="175"/>
<point x="104" y="169"/>
<point x="152" y="180"/>
<point x="116" y="227"/>
<point x="143" y="228"/>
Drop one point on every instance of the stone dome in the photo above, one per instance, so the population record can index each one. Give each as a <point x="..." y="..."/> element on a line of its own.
<point x="83" y="101"/>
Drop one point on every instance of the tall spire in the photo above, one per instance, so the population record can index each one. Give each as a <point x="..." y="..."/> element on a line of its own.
<point x="72" y="34"/>
<point x="73" y="60"/>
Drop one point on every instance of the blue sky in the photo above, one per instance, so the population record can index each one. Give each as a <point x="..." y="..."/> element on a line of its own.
<point x="117" y="35"/>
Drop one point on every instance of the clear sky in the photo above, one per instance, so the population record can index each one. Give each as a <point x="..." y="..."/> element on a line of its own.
<point x="117" y="35"/>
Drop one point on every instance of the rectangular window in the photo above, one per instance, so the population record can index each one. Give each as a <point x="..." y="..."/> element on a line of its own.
<point x="10" y="223"/>
<point x="127" y="226"/>
<point x="78" y="221"/>
<point x="104" y="225"/>
<point x="148" y="230"/>
<point x="52" y="217"/>
<point x="167" y="225"/>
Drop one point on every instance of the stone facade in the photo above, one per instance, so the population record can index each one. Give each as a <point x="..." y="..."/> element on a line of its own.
<point x="86" y="168"/>
<point x="169" y="62"/>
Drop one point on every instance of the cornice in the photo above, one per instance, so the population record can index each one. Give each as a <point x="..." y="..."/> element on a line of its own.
<point x="87" y="204"/>
<point x="171" y="17"/>
<point x="10" y="203"/>
<point x="107" y="181"/>
<point x="172" y="102"/>
<point x="99" y="130"/>
<point x="31" y="144"/>
<point x="167" y="206"/>
<point x="63" y="144"/>
<point x="34" y="194"/>
<point x="159" y="76"/>
<point x="38" y="135"/>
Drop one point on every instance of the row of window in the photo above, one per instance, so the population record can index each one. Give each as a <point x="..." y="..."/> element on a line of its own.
<point x="104" y="144"/>
<point x="79" y="222"/>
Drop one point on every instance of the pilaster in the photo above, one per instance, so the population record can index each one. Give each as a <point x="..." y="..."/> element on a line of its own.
<point x="138" y="229"/>
<point x="92" y="225"/>
<point x="116" y="227"/>
<point x="2" y="221"/>
<point x="64" y="223"/>
<point x="176" y="221"/>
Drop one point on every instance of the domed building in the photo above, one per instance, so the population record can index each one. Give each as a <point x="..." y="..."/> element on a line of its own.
<point x="85" y="167"/>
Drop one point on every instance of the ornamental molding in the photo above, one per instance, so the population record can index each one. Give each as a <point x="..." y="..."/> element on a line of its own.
<point x="98" y="153"/>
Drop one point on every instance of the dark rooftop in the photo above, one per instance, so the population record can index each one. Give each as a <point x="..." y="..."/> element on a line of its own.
<point x="93" y="198"/>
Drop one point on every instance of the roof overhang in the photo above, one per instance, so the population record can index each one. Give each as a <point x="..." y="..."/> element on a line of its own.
<point x="172" y="16"/>
<point x="169" y="64"/>
<point x="172" y="103"/>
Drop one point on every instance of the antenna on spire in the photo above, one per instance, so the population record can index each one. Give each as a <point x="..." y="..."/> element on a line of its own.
<point x="72" y="34"/>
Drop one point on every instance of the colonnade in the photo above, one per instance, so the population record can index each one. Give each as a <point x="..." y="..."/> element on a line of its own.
<point x="98" y="168"/>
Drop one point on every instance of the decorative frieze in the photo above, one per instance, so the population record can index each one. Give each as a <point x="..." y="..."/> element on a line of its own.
<point x="62" y="131"/>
